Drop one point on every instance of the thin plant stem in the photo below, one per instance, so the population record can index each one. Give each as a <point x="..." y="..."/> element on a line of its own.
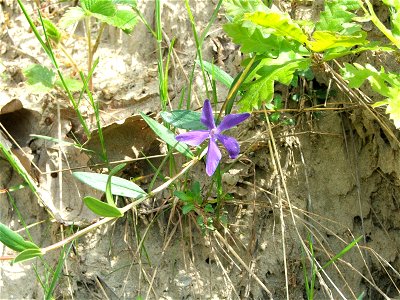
<point x="98" y="39"/>
<point x="46" y="47"/>
<point x="378" y="23"/>
<point x="89" y="49"/>
<point x="199" y="44"/>
<point x="68" y="56"/>
<point x="236" y="86"/>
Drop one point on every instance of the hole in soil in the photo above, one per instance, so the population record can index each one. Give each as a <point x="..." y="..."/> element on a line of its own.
<point x="54" y="174"/>
<point x="357" y="220"/>
<point x="20" y="123"/>
<point x="383" y="136"/>
<point x="368" y="237"/>
<point x="209" y="260"/>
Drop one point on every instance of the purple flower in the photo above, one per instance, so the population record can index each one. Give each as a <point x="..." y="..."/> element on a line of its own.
<point x="196" y="137"/>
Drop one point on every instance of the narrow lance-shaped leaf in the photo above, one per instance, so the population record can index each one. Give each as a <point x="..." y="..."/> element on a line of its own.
<point x="13" y="240"/>
<point x="342" y="252"/>
<point x="119" y="186"/>
<point x="101" y="208"/>
<point x="184" y="119"/>
<point x="167" y="136"/>
<point x="27" y="255"/>
<point x="218" y="74"/>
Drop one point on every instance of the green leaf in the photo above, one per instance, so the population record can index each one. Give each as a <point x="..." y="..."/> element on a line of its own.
<point x="324" y="40"/>
<point x="393" y="105"/>
<point x="262" y="90"/>
<point x="13" y="240"/>
<point x="245" y="33"/>
<point x="39" y="78"/>
<point x="185" y="197"/>
<point x="337" y="15"/>
<point x="71" y="16"/>
<point x="339" y="52"/>
<point x="252" y="39"/>
<point x="131" y="3"/>
<point x="74" y="85"/>
<point x="237" y="8"/>
<point x="196" y="188"/>
<point x="208" y="208"/>
<point x="386" y="84"/>
<point x="51" y="30"/>
<point x="217" y="73"/>
<point x="342" y="252"/>
<point x="101" y="208"/>
<point x="394" y="15"/>
<point x="119" y="186"/>
<point x="357" y="74"/>
<point x="393" y="3"/>
<point x="123" y="19"/>
<point x="167" y="136"/>
<point x="99" y="7"/>
<point x="185" y="119"/>
<point x="27" y="255"/>
<point x="187" y="208"/>
<point x="281" y="24"/>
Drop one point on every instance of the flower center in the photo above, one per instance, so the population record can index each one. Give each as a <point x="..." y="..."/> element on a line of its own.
<point x="212" y="132"/>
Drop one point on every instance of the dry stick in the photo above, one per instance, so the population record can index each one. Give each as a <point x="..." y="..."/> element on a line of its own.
<point x="224" y="271"/>
<point x="275" y="159"/>
<point x="166" y="244"/>
<point x="69" y="57"/>
<point x="237" y="256"/>
<point x="363" y="99"/>
<point x="275" y="150"/>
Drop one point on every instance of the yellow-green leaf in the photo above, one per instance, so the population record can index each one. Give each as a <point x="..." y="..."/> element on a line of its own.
<point x="281" y="24"/>
<point x="324" y="40"/>
<point x="27" y="255"/>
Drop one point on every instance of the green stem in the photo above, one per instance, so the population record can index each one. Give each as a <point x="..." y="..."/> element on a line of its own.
<point x="89" y="45"/>
<point x="98" y="39"/>
<point x="236" y="86"/>
<point x="199" y="44"/>
<point x="378" y="23"/>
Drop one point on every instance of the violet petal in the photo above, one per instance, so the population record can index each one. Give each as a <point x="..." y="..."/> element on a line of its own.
<point x="193" y="138"/>
<point x="231" y="145"/>
<point x="207" y="117"/>
<point x="232" y="120"/>
<point x="213" y="157"/>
